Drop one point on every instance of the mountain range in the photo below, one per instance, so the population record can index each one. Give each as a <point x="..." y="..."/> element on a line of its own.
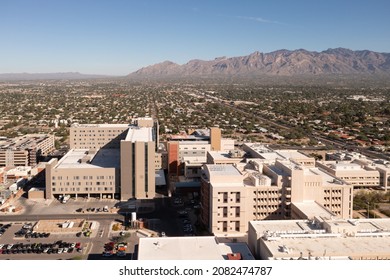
<point x="278" y="63"/>
<point x="283" y="65"/>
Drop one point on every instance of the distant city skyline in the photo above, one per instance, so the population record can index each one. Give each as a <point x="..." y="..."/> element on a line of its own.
<point x="119" y="37"/>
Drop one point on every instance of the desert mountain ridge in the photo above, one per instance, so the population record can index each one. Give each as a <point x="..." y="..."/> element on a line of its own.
<point x="278" y="63"/>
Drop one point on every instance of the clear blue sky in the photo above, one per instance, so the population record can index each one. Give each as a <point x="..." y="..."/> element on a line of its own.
<point x="119" y="36"/>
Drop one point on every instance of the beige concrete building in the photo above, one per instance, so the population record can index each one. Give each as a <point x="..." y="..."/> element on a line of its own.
<point x="232" y="197"/>
<point x="106" y="161"/>
<point x="186" y="157"/>
<point x="137" y="161"/>
<point x="354" y="173"/>
<point x="382" y="166"/>
<point x="191" y="248"/>
<point x="227" y="144"/>
<point x="82" y="172"/>
<point x="231" y="157"/>
<point x="257" y="150"/>
<point x="97" y="136"/>
<point x="320" y="239"/>
<point x="24" y="150"/>
<point x="187" y="153"/>
<point x="215" y="138"/>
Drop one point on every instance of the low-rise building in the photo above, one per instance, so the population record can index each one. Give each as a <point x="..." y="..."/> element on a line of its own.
<point x="191" y="248"/>
<point x="24" y="150"/>
<point x="320" y="239"/>
<point x="352" y="172"/>
<point x="231" y="196"/>
<point x="231" y="157"/>
<point x="257" y="150"/>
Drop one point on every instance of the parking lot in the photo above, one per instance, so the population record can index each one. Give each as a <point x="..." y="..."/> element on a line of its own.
<point x="45" y="246"/>
<point x="167" y="216"/>
<point x="15" y="245"/>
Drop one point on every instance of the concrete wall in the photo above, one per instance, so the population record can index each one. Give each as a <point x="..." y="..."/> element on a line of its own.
<point x="215" y="138"/>
<point x="81" y="181"/>
<point x="137" y="170"/>
<point x="96" y="136"/>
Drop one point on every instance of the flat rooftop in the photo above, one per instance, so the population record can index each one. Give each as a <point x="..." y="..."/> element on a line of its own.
<point x="103" y="125"/>
<point x="224" y="156"/>
<point x="222" y="170"/>
<point x="194" y="143"/>
<point x="343" y="165"/>
<point x="271" y="156"/>
<point x="220" y="155"/>
<point x="139" y="134"/>
<point x="312" y="209"/>
<point x="186" y="137"/>
<point x="28" y="141"/>
<point x="104" y="158"/>
<point x="327" y="179"/>
<point x="326" y="248"/>
<point x="333" y="238"/>
<point x="292" y="154"/>
<point x="258" y="147"/>
<point x="189" y="248"/>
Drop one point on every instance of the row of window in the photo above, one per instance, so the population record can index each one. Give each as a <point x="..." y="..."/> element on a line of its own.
<point x="313" y="184"/>
<point x="333" y="198"/>
<point x="267" y="207"/>
<point x="223" y="211"/>
<point x="234" y="225"/>
<point x="194" y="153"/>
<point x="273" y="192"/>
<point x="82" y="189"/>
<point x="333" y="205"/>
<point x="224" y="196"/>
<point x="360" y="178"/>
<point x="262" y="215"/>
<point x="98" y="183"/>
<point x="333" y="191"/>
<point x="266" y="200"/>
<point x="99" y="131"/>
<point x="104" y="136"/>
<point x="100" y="177"/>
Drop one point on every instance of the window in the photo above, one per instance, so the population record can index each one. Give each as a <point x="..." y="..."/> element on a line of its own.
<point x="224" y="227"/>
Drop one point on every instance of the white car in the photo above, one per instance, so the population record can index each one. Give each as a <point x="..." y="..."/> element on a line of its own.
<point x="1" y="246"/>
<point x="10" y="246"/>
<point x="60" y="250"/>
